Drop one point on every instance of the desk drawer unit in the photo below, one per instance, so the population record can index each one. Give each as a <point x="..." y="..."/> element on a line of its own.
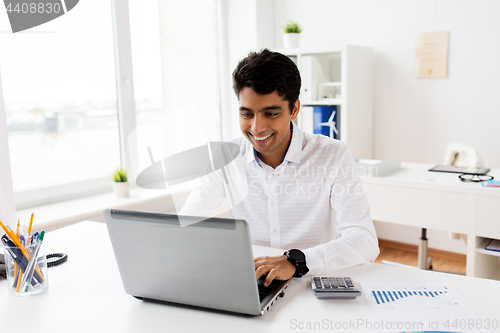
<point x="419" y="208"/>
<point x="488" y="220"/>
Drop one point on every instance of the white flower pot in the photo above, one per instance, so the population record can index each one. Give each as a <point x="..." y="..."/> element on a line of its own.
<point x="121" y="189"/>
<point x="291" y="40"/>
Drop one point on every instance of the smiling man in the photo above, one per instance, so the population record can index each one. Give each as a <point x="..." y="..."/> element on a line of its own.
<point x="303" y="192"/>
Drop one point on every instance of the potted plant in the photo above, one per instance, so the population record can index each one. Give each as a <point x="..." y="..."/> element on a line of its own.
<point x="120" y="183"/>
<point x="291" y="35"/>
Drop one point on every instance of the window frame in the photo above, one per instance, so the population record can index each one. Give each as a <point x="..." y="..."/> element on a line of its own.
<point x="7" y="204"/>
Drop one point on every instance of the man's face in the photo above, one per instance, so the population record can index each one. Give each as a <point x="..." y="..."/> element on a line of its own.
<point x="265" y="122"/>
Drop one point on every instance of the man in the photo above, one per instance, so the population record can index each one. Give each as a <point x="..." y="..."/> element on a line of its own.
<point x="299" y="185"/>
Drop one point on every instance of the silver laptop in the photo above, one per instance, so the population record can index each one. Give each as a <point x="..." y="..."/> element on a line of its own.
<point x="208" y="264"/>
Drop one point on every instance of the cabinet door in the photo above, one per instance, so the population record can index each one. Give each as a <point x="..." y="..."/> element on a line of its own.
<point x="419" y="208"/>
<point x="488" y="219"/>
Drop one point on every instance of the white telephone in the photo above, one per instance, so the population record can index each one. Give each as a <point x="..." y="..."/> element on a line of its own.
<point x="460" y="155"/>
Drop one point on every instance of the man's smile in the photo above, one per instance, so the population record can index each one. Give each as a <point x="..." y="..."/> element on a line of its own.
<point x="262" y="138"/>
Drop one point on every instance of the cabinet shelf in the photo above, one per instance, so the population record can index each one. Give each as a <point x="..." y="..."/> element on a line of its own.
<point x="310" y="51"/>
<point x="349" y="69"/>
<point x="322" y="102"/>
<point x="482" y="248"/>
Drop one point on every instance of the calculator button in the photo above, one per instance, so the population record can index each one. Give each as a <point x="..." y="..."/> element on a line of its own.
<point x="333" y="283"/>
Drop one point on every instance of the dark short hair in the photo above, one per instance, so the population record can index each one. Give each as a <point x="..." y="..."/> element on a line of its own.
<point x="265" y="72"/>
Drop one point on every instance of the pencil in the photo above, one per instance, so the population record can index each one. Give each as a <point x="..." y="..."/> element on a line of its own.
<point x="31" y="224"/>
<point x="16" y="268"/>
<point x="19" y="281"/>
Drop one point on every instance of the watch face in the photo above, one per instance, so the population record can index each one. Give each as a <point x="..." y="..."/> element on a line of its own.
<point x="297" y="255"/>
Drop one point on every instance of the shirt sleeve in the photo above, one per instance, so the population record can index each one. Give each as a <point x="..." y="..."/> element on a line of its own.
<point x="358" y="243"/>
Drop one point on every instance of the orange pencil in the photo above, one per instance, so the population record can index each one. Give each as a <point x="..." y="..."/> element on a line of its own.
<point x="16" y="268"/>
<point x="31" y="224"/>
<point x="19" y="281"/>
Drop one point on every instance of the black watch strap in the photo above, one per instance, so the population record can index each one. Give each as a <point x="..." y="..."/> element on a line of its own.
<point x="298" y="259"/>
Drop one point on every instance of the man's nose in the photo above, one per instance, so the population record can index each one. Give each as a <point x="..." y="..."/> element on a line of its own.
<point x="259" y="124"/>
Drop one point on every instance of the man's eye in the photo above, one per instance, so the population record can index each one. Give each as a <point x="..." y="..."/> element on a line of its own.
<point x="246" y="114"/>
<point x="272" y="114"/>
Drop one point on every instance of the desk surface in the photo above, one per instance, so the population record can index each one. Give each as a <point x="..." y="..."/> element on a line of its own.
<point x="86" y="295"/>
<point x="416" y="175"/>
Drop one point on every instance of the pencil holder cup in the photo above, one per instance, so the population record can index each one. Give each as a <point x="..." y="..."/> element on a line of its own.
<point x="26" y="269"/>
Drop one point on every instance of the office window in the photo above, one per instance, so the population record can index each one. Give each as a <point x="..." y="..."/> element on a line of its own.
<point x="60" y="98"/>
<point x="60" y="93"/>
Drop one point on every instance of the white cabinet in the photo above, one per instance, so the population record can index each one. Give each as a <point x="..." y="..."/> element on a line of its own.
<point x="415" y="197"/>
<point x="485" y="263"/>
<point x="341" y="76"/>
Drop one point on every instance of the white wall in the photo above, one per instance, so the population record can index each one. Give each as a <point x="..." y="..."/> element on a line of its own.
<point x="414" y="119"/>
<point x="245" y="25"/>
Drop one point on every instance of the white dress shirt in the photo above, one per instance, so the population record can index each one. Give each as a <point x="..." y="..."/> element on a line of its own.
<point x="314" y="201"/>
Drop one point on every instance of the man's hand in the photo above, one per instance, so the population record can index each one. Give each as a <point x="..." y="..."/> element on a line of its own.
<point x="275" y="267"/>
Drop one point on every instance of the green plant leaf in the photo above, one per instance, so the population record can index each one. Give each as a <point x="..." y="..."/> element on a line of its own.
<point x="291" y="27"/>
<point x="120" y="175"/>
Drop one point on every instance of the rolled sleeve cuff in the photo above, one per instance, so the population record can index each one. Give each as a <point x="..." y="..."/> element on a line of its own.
<point x="313" y="261"/>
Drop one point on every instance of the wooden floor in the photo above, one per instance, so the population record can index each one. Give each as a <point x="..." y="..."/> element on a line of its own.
<point x="408" y="254"/>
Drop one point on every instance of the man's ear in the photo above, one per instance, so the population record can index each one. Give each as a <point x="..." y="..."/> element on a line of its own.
<point x="296" y="110"/>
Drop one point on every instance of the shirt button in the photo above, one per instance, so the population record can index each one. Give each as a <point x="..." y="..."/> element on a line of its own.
<point x="275" y="230"/>
<point x="272" y="203"/>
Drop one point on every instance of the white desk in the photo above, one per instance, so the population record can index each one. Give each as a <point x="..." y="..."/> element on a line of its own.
<point x="86" y="295"/>
<point x="416" y="197"/>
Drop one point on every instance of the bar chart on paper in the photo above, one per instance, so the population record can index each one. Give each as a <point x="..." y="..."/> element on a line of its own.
<point x="415" y="296"/>
<point x="419" y="307"/>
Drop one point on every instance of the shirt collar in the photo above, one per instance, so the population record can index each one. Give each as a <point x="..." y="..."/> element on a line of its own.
<point x="294" y="149"/>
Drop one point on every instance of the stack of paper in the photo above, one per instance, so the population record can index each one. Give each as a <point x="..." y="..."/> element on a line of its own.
<point x="494" y="245"/>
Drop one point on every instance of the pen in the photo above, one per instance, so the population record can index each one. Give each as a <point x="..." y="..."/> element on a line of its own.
<point x="28" y="275"/>
<point x="32" y="263"/>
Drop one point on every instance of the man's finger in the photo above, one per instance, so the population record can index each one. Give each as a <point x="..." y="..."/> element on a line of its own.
<point x="271" y="275"/>
<point x="262" y="270"/>
<point x="261" y="261"/>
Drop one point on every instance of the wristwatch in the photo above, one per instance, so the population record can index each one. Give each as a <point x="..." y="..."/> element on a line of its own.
<point x="298" y="259"/>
